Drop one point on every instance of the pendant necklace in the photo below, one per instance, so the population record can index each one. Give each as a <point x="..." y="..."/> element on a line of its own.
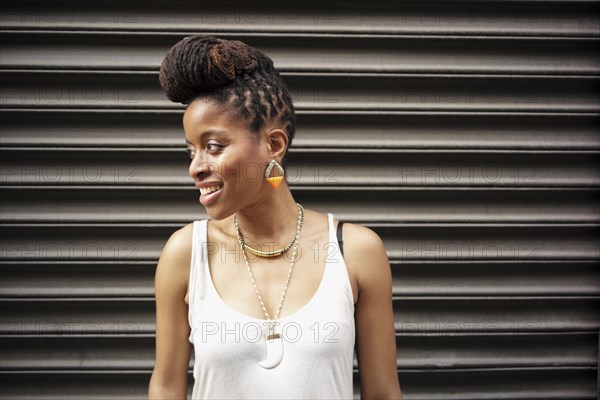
<point x="273" y="338"/>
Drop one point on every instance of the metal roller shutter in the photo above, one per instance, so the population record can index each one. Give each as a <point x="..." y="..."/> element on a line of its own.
<point x="466" y="133"/>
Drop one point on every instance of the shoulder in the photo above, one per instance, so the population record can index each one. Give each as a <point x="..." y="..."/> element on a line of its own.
<point x="365" y="254"/>
<point x="361" y="236"/>
<point x="179" y="244"/>
<point x="176" y="256"/>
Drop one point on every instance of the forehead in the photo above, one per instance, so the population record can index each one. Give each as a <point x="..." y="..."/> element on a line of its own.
<point x="203" y="114"/>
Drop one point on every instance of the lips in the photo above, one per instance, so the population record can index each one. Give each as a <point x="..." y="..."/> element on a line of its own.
<point x="207" y="196"/>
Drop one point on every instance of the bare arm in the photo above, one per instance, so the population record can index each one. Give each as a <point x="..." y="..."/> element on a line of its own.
<point x="374" y="318"/>
<point x="170" y="376"/>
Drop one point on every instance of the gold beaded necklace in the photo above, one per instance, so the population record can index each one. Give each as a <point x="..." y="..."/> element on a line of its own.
<point x="271" y="253"/>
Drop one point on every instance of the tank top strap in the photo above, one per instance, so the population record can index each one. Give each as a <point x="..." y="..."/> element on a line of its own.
<point x="335" y="260"/>
<point x="197" y="280"/>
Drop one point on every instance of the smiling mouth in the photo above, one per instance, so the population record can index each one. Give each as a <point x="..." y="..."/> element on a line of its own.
<point x="211" y="189"/>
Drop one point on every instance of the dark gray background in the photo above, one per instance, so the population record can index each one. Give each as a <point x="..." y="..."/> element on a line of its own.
<point x="465" y="133"/>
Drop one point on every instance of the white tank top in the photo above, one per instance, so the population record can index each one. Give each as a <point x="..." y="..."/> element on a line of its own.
<point x="318" y="339"/>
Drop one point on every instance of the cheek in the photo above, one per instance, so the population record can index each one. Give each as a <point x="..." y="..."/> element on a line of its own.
<point x="245" y="167"/>
<point x="247" y="173"/>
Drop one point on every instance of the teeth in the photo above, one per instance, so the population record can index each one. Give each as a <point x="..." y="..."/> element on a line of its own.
<point x="209" y="189"/>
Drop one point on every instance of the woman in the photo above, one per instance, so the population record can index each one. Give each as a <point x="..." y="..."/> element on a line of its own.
<point x="262" y="290"/>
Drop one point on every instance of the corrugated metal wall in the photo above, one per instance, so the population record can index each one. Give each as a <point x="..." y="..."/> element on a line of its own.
<point x="465" y="133"/>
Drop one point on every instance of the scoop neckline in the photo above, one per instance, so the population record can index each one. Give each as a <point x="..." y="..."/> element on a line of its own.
<point x="292" y="315"/>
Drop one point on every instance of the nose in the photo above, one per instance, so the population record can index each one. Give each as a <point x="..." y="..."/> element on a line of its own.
<point x="199" y="169"/>
<point x="202" y="176"/>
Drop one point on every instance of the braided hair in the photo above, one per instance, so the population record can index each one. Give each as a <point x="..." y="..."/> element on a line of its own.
<point x="234" y="75"/>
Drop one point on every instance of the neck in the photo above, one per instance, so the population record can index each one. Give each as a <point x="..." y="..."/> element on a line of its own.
<point x="272" y="219"/>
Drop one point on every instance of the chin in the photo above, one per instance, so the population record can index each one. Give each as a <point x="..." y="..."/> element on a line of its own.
<point x="217" y="214"/>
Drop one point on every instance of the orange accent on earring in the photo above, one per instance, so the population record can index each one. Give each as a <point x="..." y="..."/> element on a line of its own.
<point x="275" y="181"/>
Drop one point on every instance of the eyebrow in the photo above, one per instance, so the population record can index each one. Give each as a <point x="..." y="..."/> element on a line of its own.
<point x="207" y="132"/>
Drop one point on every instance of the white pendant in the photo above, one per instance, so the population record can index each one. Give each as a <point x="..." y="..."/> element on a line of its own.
<point x="274" y="349"/>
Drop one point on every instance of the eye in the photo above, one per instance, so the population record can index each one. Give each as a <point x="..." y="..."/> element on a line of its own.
<point x="210" y="146"/>
<point x="214" y="146"/>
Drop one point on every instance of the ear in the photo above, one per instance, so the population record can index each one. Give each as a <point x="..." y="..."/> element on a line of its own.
<point x="277" y="141"/>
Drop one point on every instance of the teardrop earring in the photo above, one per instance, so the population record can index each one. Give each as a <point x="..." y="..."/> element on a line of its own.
<point x="274" y="181"/>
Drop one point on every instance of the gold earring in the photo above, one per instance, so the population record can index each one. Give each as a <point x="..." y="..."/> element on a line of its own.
<point x="274" y="181"/>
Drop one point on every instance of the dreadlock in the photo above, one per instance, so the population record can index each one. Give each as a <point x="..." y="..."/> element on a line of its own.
<point x="233" y="74"/>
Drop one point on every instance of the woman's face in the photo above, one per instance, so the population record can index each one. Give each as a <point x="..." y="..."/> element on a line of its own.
<point x="224" y="153"/>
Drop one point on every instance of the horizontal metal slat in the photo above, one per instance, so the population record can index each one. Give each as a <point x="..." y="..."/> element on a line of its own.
<point x="426" y="278"/>
<point x="499" y="242"/>
<point x="109" y="352"/>
<point x="77" y="385"/>
<point x="508" y="278"/>
<point x="495" y="314"/>
<point x="320" y="92"/>
<point x="317" y="91"/>
<point x="406" y="242"/>
<point x="552" y="18"/>
<point x="411" y="315"/>
<point x="317" y="52"/>
<point x="498" y="384"/>
<point x="315" y="129"/>
<point x="167" y="166"/>
<point x="361" y="204"/>
<point x="118" y="243"/>
<point x="475" y="384"/>
<point x="73" y="279"/>
<point x="472" y="350"/>
<point x="414" y="351"/>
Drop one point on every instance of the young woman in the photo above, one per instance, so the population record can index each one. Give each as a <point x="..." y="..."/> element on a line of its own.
<point x="272" y="303"/>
